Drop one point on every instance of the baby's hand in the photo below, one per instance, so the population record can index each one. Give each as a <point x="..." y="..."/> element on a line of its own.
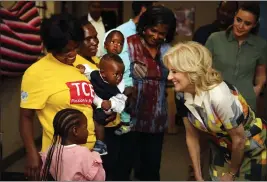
<point x="106" y="105"/>
<point x="81" y="68"/>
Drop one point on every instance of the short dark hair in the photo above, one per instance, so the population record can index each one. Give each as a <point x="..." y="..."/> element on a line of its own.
<point x="155" y="15"/>
<point x="137" y="6"/>
<point x="58" y="30"/>
<point x="112" y="33"/>
<point x="112" y="57"/>
<point x="236" y="3"/>
<point x="254" y="8"/>
<point x="84" y="21"/>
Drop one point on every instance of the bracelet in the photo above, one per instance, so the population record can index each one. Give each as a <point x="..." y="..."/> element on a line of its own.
<point x="232" y="174"/>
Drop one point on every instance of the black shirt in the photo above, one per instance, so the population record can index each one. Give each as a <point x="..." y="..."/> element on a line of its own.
<point x="202" y="34"/>
<point x="102" y="89"/>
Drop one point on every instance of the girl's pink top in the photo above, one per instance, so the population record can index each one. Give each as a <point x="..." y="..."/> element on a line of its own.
<point x="78" y="163"/>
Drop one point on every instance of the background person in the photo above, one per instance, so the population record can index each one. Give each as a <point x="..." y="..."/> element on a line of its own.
<point x="88" y="48"/>
<point x="225" y="16"/>
<point x="240" y="55"/>
<point x="102" y="21"/>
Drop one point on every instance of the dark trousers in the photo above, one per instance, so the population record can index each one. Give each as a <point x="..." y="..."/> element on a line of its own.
<point x="149" y="147"/>
<point x="122" y="152"/>
<point x="118" y="149"/>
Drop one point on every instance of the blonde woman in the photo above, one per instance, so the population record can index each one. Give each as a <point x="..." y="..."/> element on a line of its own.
<point x="238" y="138"/>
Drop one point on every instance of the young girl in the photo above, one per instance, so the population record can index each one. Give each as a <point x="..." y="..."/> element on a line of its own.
<point x="66" y="160"/>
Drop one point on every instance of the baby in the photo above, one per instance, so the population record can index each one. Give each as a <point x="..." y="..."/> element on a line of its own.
<point x="108" y="86"/>
<point x="113" y="43"/>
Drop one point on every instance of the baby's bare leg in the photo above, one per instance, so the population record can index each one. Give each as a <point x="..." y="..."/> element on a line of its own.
<point x="99" y="131"/>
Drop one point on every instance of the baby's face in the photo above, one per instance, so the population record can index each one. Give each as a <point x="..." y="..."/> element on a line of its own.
<point x="114" y="44"/>
<point x="113" y="72"/>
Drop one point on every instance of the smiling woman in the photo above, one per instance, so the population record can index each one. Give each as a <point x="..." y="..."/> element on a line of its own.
<point x="54" y="83"/>
<point x="68" y="54"/>
<point x="246" y="21"/>
<point x="155" y="30"/>
<point x="240" y="55"/>
<point x="89" y="47"/>
<point x="238" y="137"/>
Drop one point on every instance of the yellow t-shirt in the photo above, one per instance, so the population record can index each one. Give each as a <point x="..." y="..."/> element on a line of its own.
<point x="117" y="120"/>
<point x="49" y="86"/>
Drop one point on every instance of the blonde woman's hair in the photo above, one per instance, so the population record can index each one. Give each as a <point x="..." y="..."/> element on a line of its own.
<point x="195" y="60"/>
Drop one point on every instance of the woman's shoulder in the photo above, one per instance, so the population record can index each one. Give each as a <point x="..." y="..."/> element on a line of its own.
<point x="96" y="59"/>
<point x="134" y="37"/>
<point x="218" y="35"/>
<point x="82" y="60"/>
<point x="38" y="66"/>
<point x="222" y="90"/>
<point x="259" y="41"/>
<point x="220" y="87"/>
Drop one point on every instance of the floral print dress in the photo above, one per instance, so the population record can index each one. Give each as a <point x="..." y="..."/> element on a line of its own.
<point x="223" y="108"/>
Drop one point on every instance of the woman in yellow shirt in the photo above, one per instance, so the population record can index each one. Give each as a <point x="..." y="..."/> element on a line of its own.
<point x="54" y="83"/>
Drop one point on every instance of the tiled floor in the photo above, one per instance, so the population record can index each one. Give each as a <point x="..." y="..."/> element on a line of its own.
<point x="174" y="163"/>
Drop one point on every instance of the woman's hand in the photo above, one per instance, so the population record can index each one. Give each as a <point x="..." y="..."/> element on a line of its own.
<point x="33" y="166"/>
<point x="257" y="90"/>
<point x="227" y="177"/>
<point x="192" y="141"/>
<point x="199" y="179"/>
<point x="34" y="161"/>
<point x="112" y="117"/>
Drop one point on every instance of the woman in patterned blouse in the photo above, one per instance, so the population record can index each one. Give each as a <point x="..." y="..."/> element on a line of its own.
<point x="155" y="30"/>
<point x="238" y="138"/>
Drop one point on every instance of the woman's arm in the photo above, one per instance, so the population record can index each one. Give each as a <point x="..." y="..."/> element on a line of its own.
<point x="238" y="144"/>
<point x="34" y="162"/>
<point x="230" y="111"/>
<point x="260" y="78"/>
<point x="192" y="141"/>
